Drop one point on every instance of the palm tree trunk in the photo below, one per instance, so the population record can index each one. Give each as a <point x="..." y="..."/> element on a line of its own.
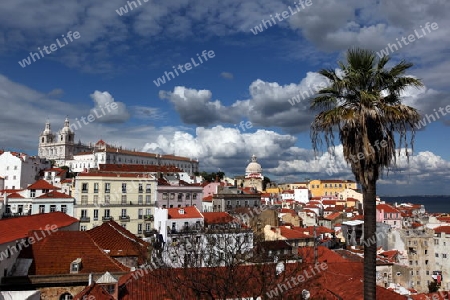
<point x="370" y="248"/>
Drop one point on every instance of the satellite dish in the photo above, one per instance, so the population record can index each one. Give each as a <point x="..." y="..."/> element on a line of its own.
<point x="279" y="268"/>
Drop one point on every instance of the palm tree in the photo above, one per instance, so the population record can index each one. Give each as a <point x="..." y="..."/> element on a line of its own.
<point x="363" y="104"/>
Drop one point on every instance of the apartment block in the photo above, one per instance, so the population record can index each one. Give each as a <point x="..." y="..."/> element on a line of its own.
<point x="128" y="199"/>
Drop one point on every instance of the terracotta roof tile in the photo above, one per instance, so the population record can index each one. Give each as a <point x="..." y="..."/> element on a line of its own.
<point x="54" y="194"/>
<point x="17" y="228"/>
<point x="440" y="229"/>
<point x="53" y="255"/>
<point x="42" y="185"/>
<point x="189" y="212"/>
<point x="119" y="242"/>
<point x="93" y="291"/>
<point x="217" y="218"/>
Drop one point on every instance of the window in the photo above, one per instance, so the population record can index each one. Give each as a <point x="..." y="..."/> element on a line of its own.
<point x="84" y="199"/>
<point x="188" y="196"/>
<point x="140" y="199"/>
<point x="96" y="199"/>
<point x="84" y="187"/>
<point x="437" y="254"/>
<point x="426" y="251"/>
<point x="107" y="187"/>
<point x="14" y="177"/>
<point x="41" y="209"/>
<point x="124" y="213"/>
<point x="95" y="214"/>
<point x="32" y="193"/>
<point x="147" y="227"/>
<point x="64" y="208"/>
<point x="52" y="208"/>
<point x="15" y="167"/>
<point x="140" y="213"/>
<point x="180" y="197"/>
<point x="124" y="187"/>
<point x="83" y="213"/>
<point x="107" y="199"/>
<point x="96" y="187"/>
<point x="172" y="196"/>
<point x="124" y="199"/>
<point x="66" y="296"/>
<point x="107" y="213"/>
<point x="148" y="188"/>
<point x="165" y="196"/>
<point x="194" y="196"/>
<point x="147" y="199"/>
<point x="139" y="228"/>
<point x="148" y="211"/>
<point x="428" y="272"/>
<point x="444" y="255"/>
<point x="140" y="188"/>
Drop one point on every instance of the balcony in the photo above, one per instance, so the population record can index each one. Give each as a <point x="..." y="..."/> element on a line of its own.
<point x="85" y="219"/>
<point x="148" y="218"/>
<point x="105" y="218"/>
<point x="124" y="218"/>
<point x="148" y="233"/>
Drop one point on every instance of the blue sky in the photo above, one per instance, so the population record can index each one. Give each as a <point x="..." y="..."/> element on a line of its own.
<point x="250" y="79"/>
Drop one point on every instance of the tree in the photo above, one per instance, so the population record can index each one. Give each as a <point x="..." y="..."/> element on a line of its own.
<point x="363" y="104"/>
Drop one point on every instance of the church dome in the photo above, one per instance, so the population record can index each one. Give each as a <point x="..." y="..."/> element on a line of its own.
<point x="253" y="166"/>
<point x="66" y="128"/>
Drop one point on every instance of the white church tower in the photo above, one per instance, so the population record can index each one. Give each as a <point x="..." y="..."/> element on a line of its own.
<point x="57" y="147"/>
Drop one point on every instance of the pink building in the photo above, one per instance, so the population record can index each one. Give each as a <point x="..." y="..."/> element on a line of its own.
<point x="389" y="215"/>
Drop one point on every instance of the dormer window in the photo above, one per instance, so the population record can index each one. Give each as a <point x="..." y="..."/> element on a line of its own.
<point x="181" y="211"/>
<point x="75" y="266"/>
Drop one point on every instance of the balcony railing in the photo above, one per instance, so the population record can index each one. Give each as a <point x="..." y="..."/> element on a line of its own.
<point x="149" y="218"/>
<point x="109" y="218"/>
<point x="124" y="218"/>
<point x="85" y="219"/>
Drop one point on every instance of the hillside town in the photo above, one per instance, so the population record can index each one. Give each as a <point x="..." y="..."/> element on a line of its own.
<point x="98" y="221"/>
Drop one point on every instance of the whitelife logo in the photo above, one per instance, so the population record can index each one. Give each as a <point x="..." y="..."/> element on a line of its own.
<point x="161" y="80"/>
<point x="411" y="38"/>
<point x="71" y="36"/>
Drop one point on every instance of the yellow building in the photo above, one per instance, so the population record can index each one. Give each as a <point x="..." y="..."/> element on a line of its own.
<point x="128" y="199"/>
<point x="330" y="187"/>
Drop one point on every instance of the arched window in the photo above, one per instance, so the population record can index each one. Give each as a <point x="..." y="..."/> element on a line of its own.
<point x="66" y="296"/>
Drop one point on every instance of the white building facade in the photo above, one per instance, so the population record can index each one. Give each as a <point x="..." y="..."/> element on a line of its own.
<point x="19" y="169"/>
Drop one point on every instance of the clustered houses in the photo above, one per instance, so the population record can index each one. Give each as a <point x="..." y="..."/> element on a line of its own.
<point x="83" y="236"/>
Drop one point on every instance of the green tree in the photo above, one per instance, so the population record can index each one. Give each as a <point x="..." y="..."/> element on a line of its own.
<point x="363" y="105"/>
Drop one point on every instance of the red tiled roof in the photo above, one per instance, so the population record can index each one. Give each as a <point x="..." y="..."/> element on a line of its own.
<point x="440" y="229"/>
<point x="17" y="228"/>
<point x="189" y="212"/>
<point x="15" y="196"/>
<point x="53" y="255"/>
<point x="387" y="208"/>
<point x="118" y="241"/>
<point x="292" y="234"/>
<point x="93" y="291"/>
<point x="66" y="181"/>
<point x="8" y="191"/>
<point x="333" y="216"/>
<point x="208" y="198"/>
<point x="217" y="218"/>
<point x="319" y="230"/>
<point x="54" y="194"/>
<point x="329" y="202"/>
<point x="42" y="185"/>
<point x="349" y="199"/>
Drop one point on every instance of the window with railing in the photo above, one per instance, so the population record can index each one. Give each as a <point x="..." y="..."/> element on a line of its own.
<point x="107" y="199"/>
<point x="84" y="187"/>
<point x="124" y="187"/>
<point x="147" y="199"/>
<point x="95" y="199"/>
<point x="148" y="188"/>
<point x="140" y="199"/>
<point x="96" y="187"/>
<point x="124" y="199"/>
<point x="140" y="188"/>
<point x="84" y="200"/>
<point x="107" y="187"/>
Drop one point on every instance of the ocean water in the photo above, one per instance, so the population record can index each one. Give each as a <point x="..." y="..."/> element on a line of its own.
<point x="433" y="204"/>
